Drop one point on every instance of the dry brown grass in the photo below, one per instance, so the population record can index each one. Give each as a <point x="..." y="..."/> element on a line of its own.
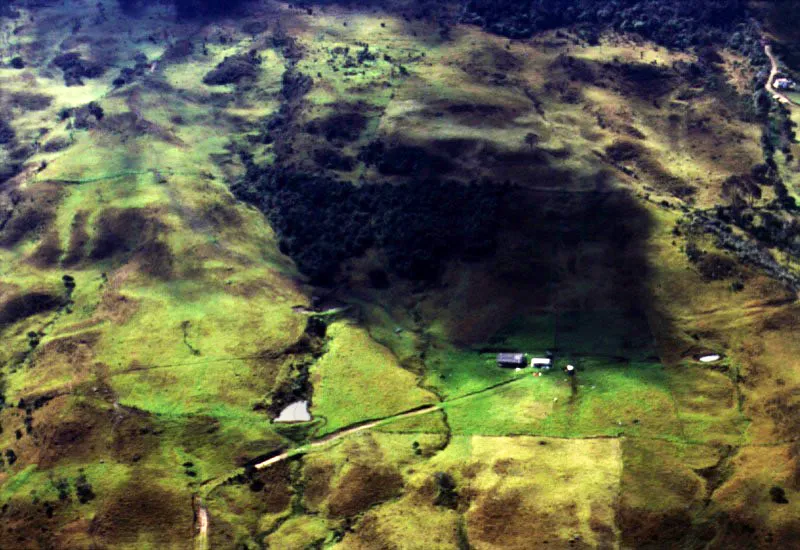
<point x="361" y="486"/>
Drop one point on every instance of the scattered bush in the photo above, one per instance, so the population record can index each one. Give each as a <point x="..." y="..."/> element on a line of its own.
<point x="75" y="68"/>
<point x="234" y="69"/>
<point x="56" y="144"/>
<point x="446" y="495"/>
<point x="83" y="489"/>
<point x="87" y="116"/>
<point x="778" y="495"/>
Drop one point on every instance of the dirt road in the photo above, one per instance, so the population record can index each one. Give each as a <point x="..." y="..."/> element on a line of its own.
<point x="344" y="433"/>
<point x="201" y="540"/>
<point x="201" y="537"/>
<point x="201" y="512"/>
<point x="774" y="70"/>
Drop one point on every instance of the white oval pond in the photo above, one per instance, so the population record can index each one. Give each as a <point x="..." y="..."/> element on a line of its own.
<point x="296" y="412"/>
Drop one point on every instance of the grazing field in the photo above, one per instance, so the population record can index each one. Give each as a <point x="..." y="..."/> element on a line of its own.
<point x="360" y="208"/>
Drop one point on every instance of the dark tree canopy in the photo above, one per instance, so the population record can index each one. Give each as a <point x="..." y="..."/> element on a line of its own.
<point x="678" y="23"/>
<point x="418" y="225"/>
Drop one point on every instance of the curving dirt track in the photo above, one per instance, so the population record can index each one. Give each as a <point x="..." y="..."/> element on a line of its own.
<point x="201" y="512"/>
<point x="344" y="433"/>
<point x="774" y="70"/>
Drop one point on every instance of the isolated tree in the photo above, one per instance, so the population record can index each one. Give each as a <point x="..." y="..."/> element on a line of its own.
<point x="531" y="140"/>
<point x="741" y="191"/>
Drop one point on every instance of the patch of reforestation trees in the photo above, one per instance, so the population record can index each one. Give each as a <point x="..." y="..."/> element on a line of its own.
<point x="419" y="225"/>
<point x="674" y="23"/>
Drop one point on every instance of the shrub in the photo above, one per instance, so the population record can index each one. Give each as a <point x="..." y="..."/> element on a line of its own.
<point x="778" y="495"/>
<point x="234" y="69"/>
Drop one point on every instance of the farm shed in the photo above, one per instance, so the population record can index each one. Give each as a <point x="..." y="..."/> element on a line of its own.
<point x="511" y="360"/>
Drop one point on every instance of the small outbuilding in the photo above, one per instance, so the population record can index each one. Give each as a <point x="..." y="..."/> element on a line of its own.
<point x="784" y="84"/>
<point x="511" y="360"/>
<point x="541" y="362"/>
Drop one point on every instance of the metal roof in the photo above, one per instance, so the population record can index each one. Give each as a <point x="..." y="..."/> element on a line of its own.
<point x="510" y="357"/>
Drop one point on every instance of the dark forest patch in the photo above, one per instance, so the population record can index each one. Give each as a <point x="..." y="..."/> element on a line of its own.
<point x="405" y="160"/>
<point x="344" y="126"/>
<point x="419" y="226"/>
<point x="675" y="23"/>
<point x="331" y="159"/>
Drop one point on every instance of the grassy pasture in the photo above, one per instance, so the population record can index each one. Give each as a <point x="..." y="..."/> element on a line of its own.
<point x="163" y="367"/>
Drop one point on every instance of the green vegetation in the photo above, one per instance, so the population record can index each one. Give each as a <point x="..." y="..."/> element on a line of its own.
<point x="153" y="325"/>
<point x="358" y="380"/>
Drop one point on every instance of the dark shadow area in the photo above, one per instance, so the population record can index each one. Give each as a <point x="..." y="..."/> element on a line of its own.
<point x="23" y="306"/>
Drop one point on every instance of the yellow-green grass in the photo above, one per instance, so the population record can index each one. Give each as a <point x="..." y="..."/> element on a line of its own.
<point x="708" y="405"/>
<point x="611" y="400"/>
<point x="357" y="380"/>
<point x="299" y="532"/>
<point x="401" y="524"/>
<point x="536" y="479"/>
<point x="746" y="494"/>
<point x="431" y="423"/>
